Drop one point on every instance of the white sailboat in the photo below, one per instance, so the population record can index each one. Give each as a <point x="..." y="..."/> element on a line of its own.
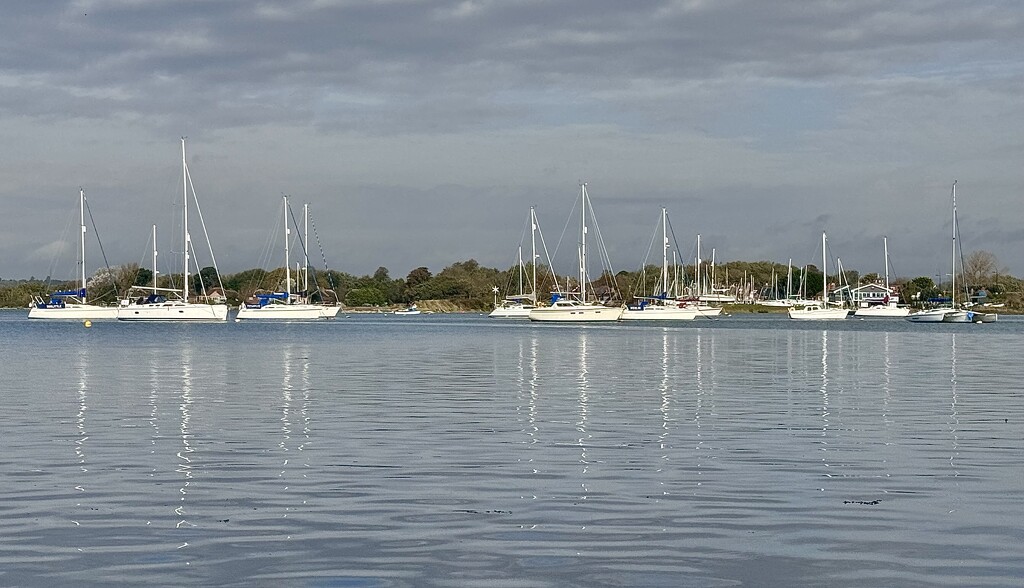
<point x="660" y="307"/>
<point x="820" y="311"/>
<point x="577" y="306"/>
<point x="890" y="307"/>
<point x="172" y="304"/>
<point x="700" y="296"/>
<point x="288" y="305"/>
<point x="72" y="304"/>
<point x="520" y="305"/>
<point x="946" y="314"/>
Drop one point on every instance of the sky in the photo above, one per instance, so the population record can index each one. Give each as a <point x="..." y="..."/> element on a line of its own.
<point x="421" y="132"/>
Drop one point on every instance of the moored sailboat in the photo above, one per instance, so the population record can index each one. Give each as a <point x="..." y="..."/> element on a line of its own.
<point x="577" y="306"/>
<point x="72" y="304"/>
<point x="660" y="307"/>
<point x="519" y="305"/>
<point x="889" y="306"/>
<point x="820" y="311"/>
<point x="172" y="304"/>
<point x="288" y="305"/>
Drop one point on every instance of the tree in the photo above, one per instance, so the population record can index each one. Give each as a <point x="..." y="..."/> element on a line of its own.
<point x="417" y="277"/>
<point x="980" y="269"/>
<point x="368" y="296"/>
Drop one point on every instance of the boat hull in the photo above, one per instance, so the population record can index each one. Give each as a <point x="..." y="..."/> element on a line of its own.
<point x="76" y="312"/>
<point x="818" y="314"/>
<point x="288" y="312"/>
<point x="882" y="311"/>
<point x="173" y="312"/>
<point x="935" y="315"/>
<point x="576" y="314"/>
<point x="512" y="312"/>
<point x="658" y="313"/>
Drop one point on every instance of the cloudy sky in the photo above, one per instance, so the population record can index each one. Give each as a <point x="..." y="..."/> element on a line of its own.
<point x="422" y="130"/>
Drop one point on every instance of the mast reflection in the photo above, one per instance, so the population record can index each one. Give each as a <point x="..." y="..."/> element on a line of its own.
<point x="584" y="402"/>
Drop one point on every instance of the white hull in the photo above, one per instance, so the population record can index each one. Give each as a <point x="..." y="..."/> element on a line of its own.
<point x="76" y="312"/>
<point x="958" y="316"/>
<point x="173" y="312"/>
<point x="775" y="303"/>
<point x="934" y="315"/>
<point x="576" y="313"/>
<point x="882" y="311"/>
<point x="288" y="312"/>
<point x="659" y="313"/>
<point x="520" y="311"/>
<point x="817" y="313"/>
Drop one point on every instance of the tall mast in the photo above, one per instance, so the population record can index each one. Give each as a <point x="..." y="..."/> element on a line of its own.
<point x="287" y="262"/>
<point x="664" y="252"/>
<point x="824" y="272"/>
<point x="81" y="257"/>
<point x="305" y="250"/>
<point x="154" y="259"/>
<point x="696" y="270"/>
<point x="885" y="247"/>
<point x="583" y="243"/>
<point x="522" y="269"/>
<point x="533" y="252"/>
<point x="789" y="280"/>
<point x="184" y="207"/>
<point x="953" y="253"/>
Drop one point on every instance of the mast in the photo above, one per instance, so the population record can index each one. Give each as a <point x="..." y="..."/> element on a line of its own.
<point x="154" y="259"/>
<point x="885" y="247"/>
<point x="696" y="270"/>
<point x="664" y="252"/>
<point x="184" y="207"/>
<point x="287" y="266"/>
<point x="81" y="258"/>
<point x="789" y="280"/>
<point x="824" y="272"/>
<point x="952" y="257"/>
<point x="522" y="269"/>
<point x="533" y="252"/>
<point x="305" y="250"/>
<point x="583" y="243"/>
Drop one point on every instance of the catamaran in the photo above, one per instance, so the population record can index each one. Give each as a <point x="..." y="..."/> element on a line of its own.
<point x="577" y="306"/>
<point x="172" y="304"/>
<point x="72" y="304"/>
<point x="288" y="305"/>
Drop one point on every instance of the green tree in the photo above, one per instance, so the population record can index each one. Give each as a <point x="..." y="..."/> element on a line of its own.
<point x="366" y="296"/>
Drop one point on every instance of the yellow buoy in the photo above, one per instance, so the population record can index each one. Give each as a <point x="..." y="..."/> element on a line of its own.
<point x="87" y="323"/>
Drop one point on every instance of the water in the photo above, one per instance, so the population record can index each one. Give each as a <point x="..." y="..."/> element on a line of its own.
<point x="462" y="451"/>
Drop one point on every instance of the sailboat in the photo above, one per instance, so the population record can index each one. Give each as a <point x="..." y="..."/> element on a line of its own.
<point x="72" y="304"/>
<point x="520" y="305"/>
<point x="288" y="305"/>
<point x="660" y="307"/>
<point x="820" y="311"/>
<point x="948" y="314"/>
<point x="577" y="306"/>
<point x="701" y="296"/>
<point x="172" y="304"/>
<point x="889" y="308"/>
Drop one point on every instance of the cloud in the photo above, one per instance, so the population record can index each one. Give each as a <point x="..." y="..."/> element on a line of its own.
<point x="422" y="130"/>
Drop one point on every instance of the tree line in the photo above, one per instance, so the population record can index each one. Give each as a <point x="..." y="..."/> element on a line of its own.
<point x="470" y="286"/>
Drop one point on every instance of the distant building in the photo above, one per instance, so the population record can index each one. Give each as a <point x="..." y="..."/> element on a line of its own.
<point x="873" y="294"/>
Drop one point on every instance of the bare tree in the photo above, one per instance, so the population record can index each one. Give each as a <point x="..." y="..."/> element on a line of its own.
<point x="980" y="268"/>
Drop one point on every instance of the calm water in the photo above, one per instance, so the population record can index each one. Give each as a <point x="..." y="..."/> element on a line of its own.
<point x="461" y="451"/>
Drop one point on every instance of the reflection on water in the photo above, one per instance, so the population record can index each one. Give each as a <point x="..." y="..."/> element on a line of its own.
<point x="461" y="451"/>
